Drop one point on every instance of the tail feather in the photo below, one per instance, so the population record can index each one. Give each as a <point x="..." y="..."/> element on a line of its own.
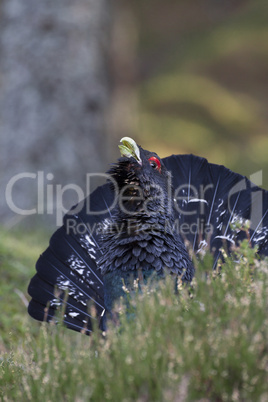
<point x="43" y="313"/>
<point x="55" y="284"/>
<point x="68" y="279"/>
<point x="211" y="199"/>
<point x="45" y="292"/>
<point x="79" y="256"/>
<point x="68" y="266"/>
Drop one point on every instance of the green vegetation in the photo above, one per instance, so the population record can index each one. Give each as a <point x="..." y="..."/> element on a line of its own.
<point x="18" y="254"/>
<point x="208" y="342"/>
<point x="204" y="91"/>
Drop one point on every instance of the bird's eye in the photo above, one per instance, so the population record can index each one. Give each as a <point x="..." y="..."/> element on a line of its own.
<point x="155" y="163"/>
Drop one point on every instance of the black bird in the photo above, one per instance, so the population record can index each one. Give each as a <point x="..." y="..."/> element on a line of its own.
<point x="137" y="226"/>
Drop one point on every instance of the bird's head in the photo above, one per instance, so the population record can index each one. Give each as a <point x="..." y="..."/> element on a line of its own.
<point x="142" y="180"/>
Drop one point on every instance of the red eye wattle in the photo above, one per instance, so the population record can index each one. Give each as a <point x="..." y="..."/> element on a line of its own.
<point x="155" y="163"/>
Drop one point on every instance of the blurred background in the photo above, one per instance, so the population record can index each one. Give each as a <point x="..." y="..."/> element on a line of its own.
<point x="203" y="80"/>
<point x="179" y="76"/>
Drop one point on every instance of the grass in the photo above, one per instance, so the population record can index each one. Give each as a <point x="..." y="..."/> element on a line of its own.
<point x="207" y="342"/>
<point x="18" y="254"/>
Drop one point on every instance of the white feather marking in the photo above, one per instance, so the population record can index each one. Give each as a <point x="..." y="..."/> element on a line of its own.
<point x="90" y="241"/>
<point x="65" y="283"/>
<point x="73" y="314"/>
<point x="225" y="238"/>
<point x="202" y="245"/>
<point x="197" y="200"/>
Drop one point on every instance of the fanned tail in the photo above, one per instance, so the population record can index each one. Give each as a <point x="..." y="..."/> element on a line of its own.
<point x="67" y="274"/>
<point x="213" y="203"/>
